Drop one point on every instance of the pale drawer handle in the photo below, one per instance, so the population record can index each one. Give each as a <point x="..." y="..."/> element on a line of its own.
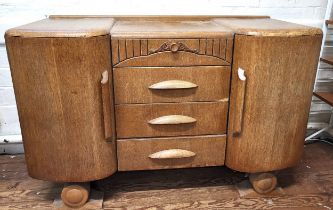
<point x="172" y="153"/>
<point x="172" y="120"/>
<point x="173" y="84"/>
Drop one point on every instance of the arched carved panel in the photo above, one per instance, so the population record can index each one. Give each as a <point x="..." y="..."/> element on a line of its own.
<point x="124" y="50"/>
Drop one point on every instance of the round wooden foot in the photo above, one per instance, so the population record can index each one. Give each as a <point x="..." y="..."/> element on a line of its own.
<point x="75" y="195"/>
<point x="263" y="183"/>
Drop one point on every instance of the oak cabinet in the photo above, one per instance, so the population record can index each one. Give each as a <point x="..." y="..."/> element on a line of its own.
<point x="101" y="94"/>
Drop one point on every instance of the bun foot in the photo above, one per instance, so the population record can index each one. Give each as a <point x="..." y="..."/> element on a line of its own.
<point x="75" y="194"/>
<point x="263" y="183"/>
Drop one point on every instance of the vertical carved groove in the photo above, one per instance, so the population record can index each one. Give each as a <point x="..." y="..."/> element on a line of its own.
<point x="219" y="46"/>
<point x="126" y="49"/>
<point x="118" y="51"/>
<point x="225" y="49"/>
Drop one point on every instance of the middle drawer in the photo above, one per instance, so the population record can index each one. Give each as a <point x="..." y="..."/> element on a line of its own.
<point x="171" y="119"/>
<point x="171" y="84"/>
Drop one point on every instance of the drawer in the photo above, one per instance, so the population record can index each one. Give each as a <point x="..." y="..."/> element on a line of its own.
<point x="171" y="119"/>
<point x="164" y="153"/>
<point x="171" y="84"/>
<point x="171" y="52"/>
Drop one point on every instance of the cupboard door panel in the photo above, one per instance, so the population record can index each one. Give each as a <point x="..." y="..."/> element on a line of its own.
<point x="59" y="96"/>
<point x="268" y="113"/>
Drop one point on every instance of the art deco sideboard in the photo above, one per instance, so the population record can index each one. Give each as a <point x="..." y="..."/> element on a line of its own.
<point x="96" y="95"/>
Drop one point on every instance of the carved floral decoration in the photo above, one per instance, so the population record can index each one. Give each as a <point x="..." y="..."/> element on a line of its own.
<point x="168" y="46"/>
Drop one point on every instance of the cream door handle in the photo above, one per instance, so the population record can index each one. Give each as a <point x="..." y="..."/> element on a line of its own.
<point x="106" y="103"/>
<point x="241" y="74"/>
<point x="240" y="102"/>
<point x="172" y="120"/>
<point x="173" y="84"/>
<point x="172" y="153"/>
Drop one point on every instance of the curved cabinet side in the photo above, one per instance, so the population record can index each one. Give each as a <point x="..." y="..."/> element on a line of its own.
<point x="280" y="73"/>
<point x="57" y="83"/>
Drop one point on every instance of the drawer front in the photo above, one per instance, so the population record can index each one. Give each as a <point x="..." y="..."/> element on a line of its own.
<point x="171" y="119"/>
<point x="164" y="153"/>
<point x="171" y="52"/>
<point x="171" y="84"/>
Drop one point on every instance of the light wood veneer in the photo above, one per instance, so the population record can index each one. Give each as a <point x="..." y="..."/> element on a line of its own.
<point x="212" y="83"/>
<point x="133" y="120"/>
<point x="135" y="154"/>
<point x="72" y="122"/>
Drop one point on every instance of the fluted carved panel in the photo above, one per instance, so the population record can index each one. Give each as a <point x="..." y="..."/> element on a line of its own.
<point x="123" y="49"/>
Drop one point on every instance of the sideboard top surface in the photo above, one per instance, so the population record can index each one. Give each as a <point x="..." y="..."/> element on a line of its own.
<point x="267" y="27"/>
<point x="160" y="27"/>
<point x="64" y="27"/>
<point x="169" y="28"/>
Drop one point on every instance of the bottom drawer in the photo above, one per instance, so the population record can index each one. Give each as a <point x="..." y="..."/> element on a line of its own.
<point x="163" y="153"/>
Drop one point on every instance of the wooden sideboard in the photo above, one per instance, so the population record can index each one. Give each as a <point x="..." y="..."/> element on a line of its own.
<point x="98" y="94"/>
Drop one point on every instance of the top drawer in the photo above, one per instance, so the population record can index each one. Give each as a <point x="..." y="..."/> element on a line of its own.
<point x="171" y="52"/>
<point x="171" y="84"/>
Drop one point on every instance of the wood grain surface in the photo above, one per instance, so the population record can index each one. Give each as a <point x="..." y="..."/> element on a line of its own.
<point x="64" y="27"/>
<point x="131" y="87"/>
<point x="267" y="27"/>
<point x="135" y="154"/>
<point x="160" y="27"/>
<point x="212" y="28"/>
<point x="57" y="84"/>
<point x="277" y="101"/>
<point x="309" y="185"/>
<point x="132" y="120"/>
<point x="169" y="29"/>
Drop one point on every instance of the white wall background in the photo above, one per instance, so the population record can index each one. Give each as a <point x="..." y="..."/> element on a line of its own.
<point x="18" y="12"/>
